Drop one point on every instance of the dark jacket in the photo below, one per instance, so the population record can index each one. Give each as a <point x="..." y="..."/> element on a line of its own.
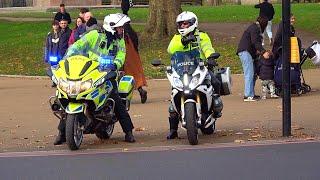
<point x="59" y="16"/>
<point x="79" y="32"/>
<point x="52" y="46"/>
<point x="251" y="41"/>
<point x="125" y="6"/>
<point x="265" y="68"/>
<point x="266" y="9"/>
<point x="64" y="38"/>
<point x="277" y="44"/>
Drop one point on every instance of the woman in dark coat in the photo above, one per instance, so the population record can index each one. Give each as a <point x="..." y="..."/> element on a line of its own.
<point x="52" y="42"/>
<point x="277" y="45"/>
<point x="52" y="46"/>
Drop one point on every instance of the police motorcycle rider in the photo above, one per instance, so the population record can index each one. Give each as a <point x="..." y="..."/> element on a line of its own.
<point x="189" y="37"/>
<point x="108" y="42"/>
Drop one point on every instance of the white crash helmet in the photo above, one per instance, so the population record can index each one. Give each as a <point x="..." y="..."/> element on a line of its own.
<point x="112" y="21"/>
<point x="187" y="16"/>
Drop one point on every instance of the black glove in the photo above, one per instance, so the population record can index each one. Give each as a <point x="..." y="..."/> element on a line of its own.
<point x="187" y="39"/>
<point x="212" y="63"/>
<point x="310" y="52"/>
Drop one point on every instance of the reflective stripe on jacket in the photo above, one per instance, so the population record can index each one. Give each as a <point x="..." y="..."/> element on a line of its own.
<point x="203" y="43"/>
<point x="94" y="44"/>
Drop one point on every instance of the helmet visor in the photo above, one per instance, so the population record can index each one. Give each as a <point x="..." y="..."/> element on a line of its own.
<point x="186" y="23"/>
<point x="183" y="24"/>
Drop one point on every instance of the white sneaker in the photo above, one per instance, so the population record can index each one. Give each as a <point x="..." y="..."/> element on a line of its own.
<point x="264" y="97"/>
<point x="249" y="99"/>
<point x="274" y="96"/>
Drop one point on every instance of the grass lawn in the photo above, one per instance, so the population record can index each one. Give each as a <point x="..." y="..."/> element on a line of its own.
<point x="307" y="14"/>
<point x="21" y="50"/>
<point x="22" y="43"/>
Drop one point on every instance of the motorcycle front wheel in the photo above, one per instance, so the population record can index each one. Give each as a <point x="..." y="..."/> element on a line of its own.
<point x="190" y="118"/>
<point x="74" y="131"/>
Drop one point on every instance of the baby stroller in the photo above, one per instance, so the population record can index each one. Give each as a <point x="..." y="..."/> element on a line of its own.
<point x="298" y="84"/>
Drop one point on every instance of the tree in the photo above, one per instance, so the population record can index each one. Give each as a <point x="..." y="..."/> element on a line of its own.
<point x="162" y="18"/>
<point x="212" y="2"/>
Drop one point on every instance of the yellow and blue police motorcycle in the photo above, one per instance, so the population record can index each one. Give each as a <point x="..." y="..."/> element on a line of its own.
<point x="83" y="96"/>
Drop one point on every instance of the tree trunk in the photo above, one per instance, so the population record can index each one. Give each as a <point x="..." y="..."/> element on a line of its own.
<point x="162" y="18"/>
<point x="212" y="2"/>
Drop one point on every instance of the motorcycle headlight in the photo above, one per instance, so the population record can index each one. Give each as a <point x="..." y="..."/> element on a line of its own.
<point x="74" y="87"/>
<point x="85" y="85"/>
<point x="63" y="85"/>
<point x="194" y="81"/>
<point x="178" y="83"/>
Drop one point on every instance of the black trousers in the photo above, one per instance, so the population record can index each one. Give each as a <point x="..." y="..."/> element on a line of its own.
<point x="120" y="111"/>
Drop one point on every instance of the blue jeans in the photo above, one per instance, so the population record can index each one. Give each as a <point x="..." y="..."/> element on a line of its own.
<point x="248" y="72"/>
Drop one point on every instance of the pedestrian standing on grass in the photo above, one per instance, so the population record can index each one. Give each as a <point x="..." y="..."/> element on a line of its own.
<point x="52" y="47"/>
<point x="62" y="14"/>
<point x="83" y="11"/>
<point x="249" y="48"/>
<point x="267" y="10"/>
<point x="64" y="37"/>
<point x="52" y="42"/>
<point x="78" y="30"/>
<point x="87" y="16"/>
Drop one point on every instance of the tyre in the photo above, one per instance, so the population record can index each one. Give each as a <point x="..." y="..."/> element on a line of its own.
<point x="209" y="130"/>
<point x="105" y="131"/>
<point x="190" y="118"/>
<point x="74" y="131"/>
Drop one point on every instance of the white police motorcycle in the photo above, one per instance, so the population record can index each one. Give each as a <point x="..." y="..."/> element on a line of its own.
<point x="192" y="95"/>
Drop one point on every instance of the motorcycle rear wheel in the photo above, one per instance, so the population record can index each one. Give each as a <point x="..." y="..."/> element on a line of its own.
<point x="105" y="132"/>
<point x="74" y="131"/>
<point x="190" y="118"/>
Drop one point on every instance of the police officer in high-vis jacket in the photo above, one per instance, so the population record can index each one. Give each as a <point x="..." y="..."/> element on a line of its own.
<point x="95" y="44"/>
<point x="189" y="37"/>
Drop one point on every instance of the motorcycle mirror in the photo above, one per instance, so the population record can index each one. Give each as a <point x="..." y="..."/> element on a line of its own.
<point x="215" y="55"/>
<point x="156" y="62"/>
<point x="169" y="69"/>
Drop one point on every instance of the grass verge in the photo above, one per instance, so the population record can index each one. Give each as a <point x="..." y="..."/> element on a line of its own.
<point x="306" y="13"/>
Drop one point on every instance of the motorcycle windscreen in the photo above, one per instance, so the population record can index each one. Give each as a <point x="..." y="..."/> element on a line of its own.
<point x="185" y="62"/>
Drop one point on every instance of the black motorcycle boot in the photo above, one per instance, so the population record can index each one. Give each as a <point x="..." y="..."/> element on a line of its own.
<point x="129" y="137"/>
<point x="60" y="139"/>
<point x="172" y="134"/>
<point x="143" y="95"/>
<point x="174" y="122"/>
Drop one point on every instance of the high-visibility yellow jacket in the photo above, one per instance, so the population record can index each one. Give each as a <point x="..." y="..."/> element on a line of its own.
<point x="94" y="44"/>
<point x="203" y="43"/>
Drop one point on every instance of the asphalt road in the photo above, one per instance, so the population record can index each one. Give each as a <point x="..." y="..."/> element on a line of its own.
<point x="257" y="162"/>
